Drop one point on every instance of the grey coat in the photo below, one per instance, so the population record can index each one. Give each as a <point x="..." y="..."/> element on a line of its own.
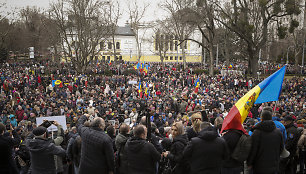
<point x="42" y="155"/>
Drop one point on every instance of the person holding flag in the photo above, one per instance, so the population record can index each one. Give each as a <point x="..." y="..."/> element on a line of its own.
<point x="139" y="89"/>
<point x="146" y="90"/>
<point x="197" y="85"/>
<point x="267" y="141"/>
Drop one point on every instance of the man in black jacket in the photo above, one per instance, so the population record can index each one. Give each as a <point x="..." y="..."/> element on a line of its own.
<point x="7" y="164"/>
<point x="206" y="152"/>
<point x="141" y="155"/>
<point x="289" y="164"/>
<point x="97" y="154"/>
<point x="42" y="152"/>
<point x="267" y="145"/>
<point x="120" y="141"/>
<point x="232" y="166"/>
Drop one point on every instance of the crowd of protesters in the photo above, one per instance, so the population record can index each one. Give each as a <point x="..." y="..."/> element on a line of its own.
<point x="107" y="128"/>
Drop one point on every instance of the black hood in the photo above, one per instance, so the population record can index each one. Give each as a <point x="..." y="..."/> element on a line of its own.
<point x="208" y="134"/>
<point x="136" y="144"/>
<point x="38" y="144"/>
<point x="181" y="138"/>
<point x="267" y="126"/>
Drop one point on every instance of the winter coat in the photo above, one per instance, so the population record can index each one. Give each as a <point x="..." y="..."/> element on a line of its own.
<point x="302" y="141"/>
<point x="292" y="139"/>
<point x="281" y="127"/>
<point x="206" y="152"/>
<point x="121" y="155"/>
<point x="267" y="145"/>
<point x="7" y="164"/>
<point x="13" y="121"/>
<point x="97" y="154"/>
<point x="176" y="154"/>
<point x="42" y="155"/>
<point x="74" y="149"/>
<point x="141" y="156"/>
<point x="19" y="114"/>
<point x="191" y="133"/>
<point x="232" y="137"/>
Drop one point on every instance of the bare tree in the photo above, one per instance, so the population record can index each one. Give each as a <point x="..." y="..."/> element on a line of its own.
<point x="113" y="17"/>
<point x="250" y="21"/>
<point x="181" y="29"/>
<point x="136" y="14"/>
<point x="82" y="24"/>
<point x="163" y="40"/>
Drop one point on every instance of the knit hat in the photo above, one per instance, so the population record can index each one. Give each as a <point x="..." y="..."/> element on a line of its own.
<point x="40" y="130"/>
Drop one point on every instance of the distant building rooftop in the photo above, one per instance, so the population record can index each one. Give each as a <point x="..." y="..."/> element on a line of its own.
<point x="125" y="31"/>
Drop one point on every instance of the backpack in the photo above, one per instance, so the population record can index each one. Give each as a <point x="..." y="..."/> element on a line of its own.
<point x="243" y="148"/>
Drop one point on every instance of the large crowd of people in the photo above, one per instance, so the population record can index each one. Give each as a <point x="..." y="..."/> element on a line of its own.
<point x="155" y="120"/>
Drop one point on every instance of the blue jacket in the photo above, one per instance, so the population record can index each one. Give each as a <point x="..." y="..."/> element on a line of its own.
<point x="13" y="121"/>
<point x="279" y="125"/>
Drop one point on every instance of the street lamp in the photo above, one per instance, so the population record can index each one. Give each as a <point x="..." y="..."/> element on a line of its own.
<point x="287" y="54"/>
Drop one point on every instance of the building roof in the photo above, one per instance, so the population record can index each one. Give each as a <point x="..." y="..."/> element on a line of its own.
<point x="125" y="31"/>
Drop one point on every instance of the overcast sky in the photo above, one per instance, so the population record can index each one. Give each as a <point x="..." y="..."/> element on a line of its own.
<point x="153" y="12"/>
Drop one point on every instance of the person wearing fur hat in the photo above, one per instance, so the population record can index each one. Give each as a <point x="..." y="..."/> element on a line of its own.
<point x="42" y="152"/>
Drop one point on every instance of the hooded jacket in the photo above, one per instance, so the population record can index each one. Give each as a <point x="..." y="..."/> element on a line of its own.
<point x="13" y="120"/>
<point x="267" y="145"/>
<point x="176" y="153"/>
<point x="206" y="152"/>
<point x="42" y="155"/>
<point x="141" y="156"/>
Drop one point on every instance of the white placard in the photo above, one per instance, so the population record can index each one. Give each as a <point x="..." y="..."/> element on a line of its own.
<point x="132" y="82"/>
<point x="60" y="119"/>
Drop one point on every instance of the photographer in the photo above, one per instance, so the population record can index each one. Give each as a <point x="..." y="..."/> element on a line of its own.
<point x="43" y="150"/>
<point x="7" y="164"/>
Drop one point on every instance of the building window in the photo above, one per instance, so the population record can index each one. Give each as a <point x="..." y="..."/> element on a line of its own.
<point x="181" y="58"/>
<point x="118" y="45"/>
<point x="108" y="58"/>
<point x="175" y="46"/>
<point x="175" y="57"/>
<point x="166" y="58"/>
<point x="120" y="57"/>
<point x="109" y="45"/>
<point x="103" y="58"/>
<point x="102" y="45"/>
<point x="171" y="58"/>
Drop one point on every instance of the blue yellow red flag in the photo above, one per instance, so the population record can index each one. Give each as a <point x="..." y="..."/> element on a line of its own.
<point x="266" y="91"/>
<point x="139" y="87"/>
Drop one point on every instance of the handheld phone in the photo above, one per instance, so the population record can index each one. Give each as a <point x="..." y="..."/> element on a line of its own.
<point x="47" y="123"/>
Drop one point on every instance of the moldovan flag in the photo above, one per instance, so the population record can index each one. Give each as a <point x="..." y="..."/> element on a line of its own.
<point x="230" y="66"/>
<point x="266" y="91"/>
<point x="197" y="85"/>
